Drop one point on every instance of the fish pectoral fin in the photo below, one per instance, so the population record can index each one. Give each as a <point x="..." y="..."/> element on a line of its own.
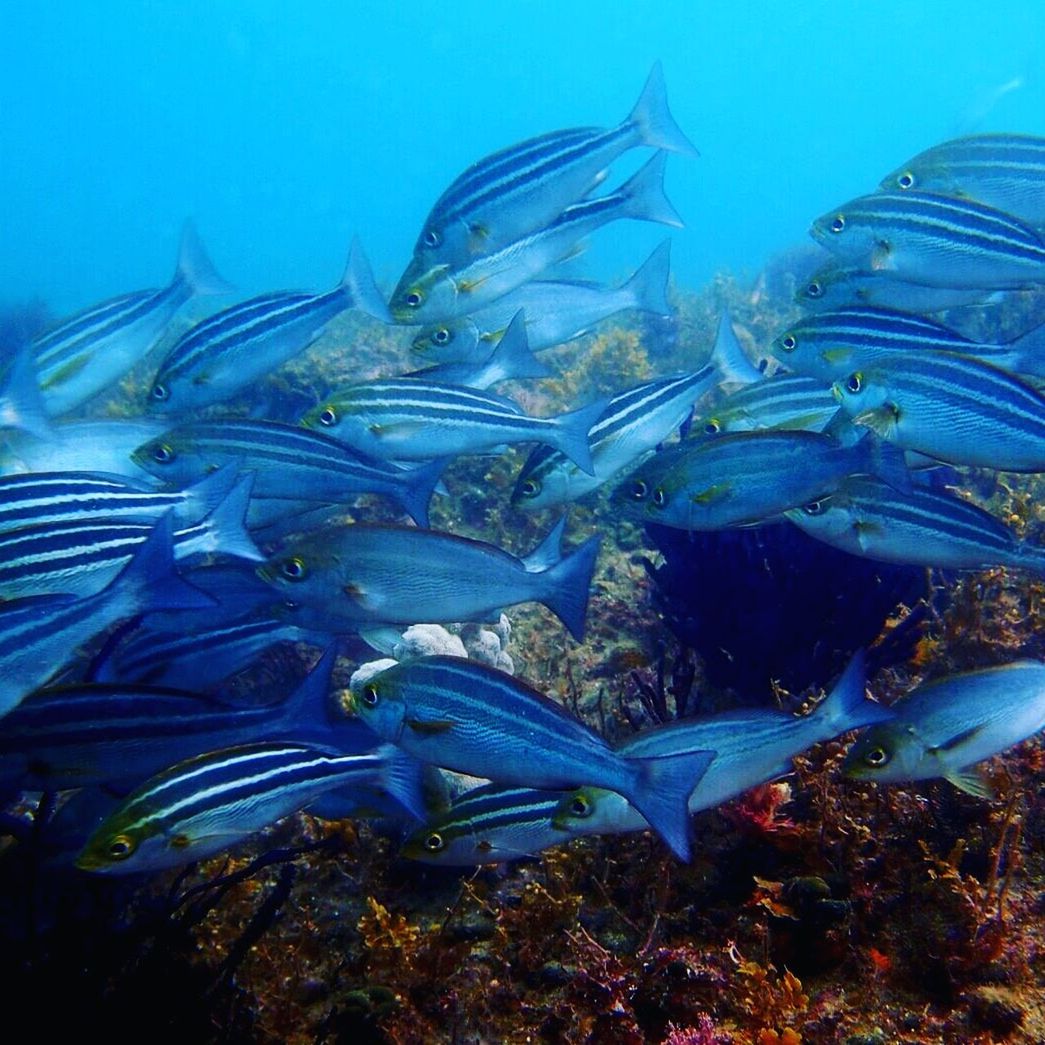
<point x="400" y="429"/>
<point x="201" y="379"/>
<point x="881" y="420"/>
<point x="64" y="373"/>
<point x="972" y="781"/>
<point x="836" y="356"/>
<point x="429" y="727"/>
<point x="864" y="530"/>
<point x="882" y="256"/>
<point x="711" y="494"/>
<point x="466" y="286"/>
<point x="957" y="740"/>
<point x="361" y="596"/>
<point x="478" y="234"/>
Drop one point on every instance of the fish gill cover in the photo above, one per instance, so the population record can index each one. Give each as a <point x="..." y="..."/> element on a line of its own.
<point x="260" y="800"/>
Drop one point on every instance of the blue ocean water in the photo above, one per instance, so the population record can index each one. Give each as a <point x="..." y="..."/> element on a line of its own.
<point x="283" y="132"/>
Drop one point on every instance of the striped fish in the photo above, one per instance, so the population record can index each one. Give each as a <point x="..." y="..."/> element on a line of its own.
<point x="935" y="240"/>
<point x="631" y="426"/>
<point x="46" y="498"/>
<point x="489" y="825"/>
<point x="88" y="352"/>
<point x="39" y="636"/>
<point x="363" y="574"/>
<point x="782" y="401"/>
<point x="119" y="735"/>
<point x="290" y="463"/>
<point x="461" y="715"/>
<point x="556" y="312"/>
<point x="410" y="419"/>
<point x="950" y="407"/>
<point x="919" y="528"/>
<point x="233" y="348"/>
<point x="204" y="805"/>
<point x="82" y="558"/>
<point x="830" y="345"/>
<point x="443" y="292"/>
<point x="511" y="193"/>
<point x="751" y="745"/>
<point x="1006" y="171"/>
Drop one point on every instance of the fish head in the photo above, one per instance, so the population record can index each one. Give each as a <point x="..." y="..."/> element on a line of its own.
<point x="448" y="844"/>
<point x="860" y="392"/>
<point x="589" y="811"/>
<point x="304" y="570"/>
<point x="327" y="416"/>
<point x="829" y="517"/>
<point x="426" y="297"/>
<point x="543" y="481"/>
<point x="451" y="341"/>
<point x="166" y="394"/>
<point x="124" y="844"/>
<point x="887" y="752"/>
<point x="378" y="702"/>
<point x="826" y="289"/>
<point x="170" y="458"/>
<point x="848" y="232"/>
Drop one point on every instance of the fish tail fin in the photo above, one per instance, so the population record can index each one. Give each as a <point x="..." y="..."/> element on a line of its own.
<point x="205" y="495"/>
<point x="403" y="777"/>
<point x="21" y="401"/>
<point x="150" y="582"/>
<point x="196" y="269"/>
<point x="418" y="486"/>
<point x="308" y="706"/>
<point x="661" y="795"/>
<point x="570" y="434"/>
<point x="643" y="195"/>
<point x="729" y="359"/>
<point x="359" y="284"/>
<point x="652" y="117"/>
<point x="566" y="584"/>
<point x="846" y="707"/>
<point x="647" y="290"/>
<point x="226" y="526"/>
<point x="512" y="357"/>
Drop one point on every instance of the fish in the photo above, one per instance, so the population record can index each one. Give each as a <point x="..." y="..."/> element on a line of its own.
<point x="22" y="407"/>
<point x="489" y="825"/>
<point x="833" y="288"/>
<point x="233" y="348"/>
<point x="510" y="358"/>
<point x="744" y="478"/>
<point x="936" y="240"/>
<point x="789" y="401"/>
<point x="83" y="557"/>
<point x="289" y="463"/>
<point x="414" y="420"/>
<point x="42" y="498"/>
<point x="445" y="292"/>
<point x="513" y="192"/>
<point x="751" y="745"/>
<point x="920" y="527"/>
<point x="950" y="407"/>
<point x="1006" y="171"/>
<point x="403" y="575"/>
<point x="464" y="716"/>
<point x="82" y="446"/>
<point x="204" y="805"/>
<point x="556" y="312"/>
<point x="90" y="351"/>
<point x="118" y="735"/>
<point x="830" y="345"/>
<point x="41" y="634"/>
<point x="632" y="424"/>
<point x="945" y="727"/>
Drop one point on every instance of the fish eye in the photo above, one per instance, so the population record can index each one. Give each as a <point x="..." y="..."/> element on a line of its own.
<point x="580" y="806"/>
<point x="788" y="343"/>
<point x="163" y="454"/>
<point x="370" y="696"/>
<point x="442" y="336"/>
<point x="659" y="499"/>
<point x="328" y="416"/>
<point x="531" y="488"/>
<point x="121" y="847"/>
<point x="414" y="299"/>
<point x="712" y="426"/>
<point x="838" y="224"/>
<point x="854" y="382"/>
<point x="815" y="507"/>
<point x="293" y="569"/>
<point x="905" y="180"/>
<point x="161" y="393"/>
<point x="814" y="289"/>
<point x="433" y="238"/>
<point x="877" y="756"/>
<point x="434" y="843"/>
<point x="639" y="490"/>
